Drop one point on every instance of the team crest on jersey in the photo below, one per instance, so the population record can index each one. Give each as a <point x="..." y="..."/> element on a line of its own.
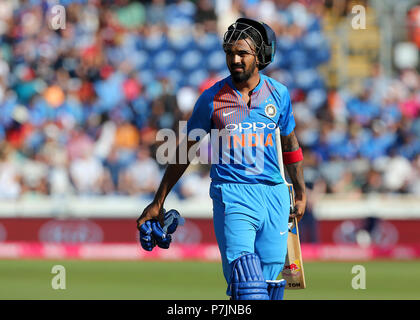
<point x="270" y="110"/>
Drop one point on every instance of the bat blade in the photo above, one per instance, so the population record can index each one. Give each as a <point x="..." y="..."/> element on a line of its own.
<point x="293" y="267"/>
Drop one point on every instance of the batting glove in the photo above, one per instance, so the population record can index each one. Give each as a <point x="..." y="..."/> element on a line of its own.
<point x="146" y="240"/>
<point x="152" y="234"/>
<point x="171" y="221"/>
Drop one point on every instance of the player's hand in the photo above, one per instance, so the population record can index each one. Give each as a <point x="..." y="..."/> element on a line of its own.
<point x="299" y="209"/>
<point x="152" y="212"/>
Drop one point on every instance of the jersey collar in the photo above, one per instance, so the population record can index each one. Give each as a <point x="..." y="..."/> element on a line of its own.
<point x="257" y="88"/>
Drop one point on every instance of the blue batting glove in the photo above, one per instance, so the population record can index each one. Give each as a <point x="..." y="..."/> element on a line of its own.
<point x="172" y="220"/>
<point x="146" y="240"/>
<point x="163" y="240"/>
<point x="152" y="234"/>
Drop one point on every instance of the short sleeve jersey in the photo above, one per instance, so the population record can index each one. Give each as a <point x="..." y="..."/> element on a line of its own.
<point x="246" y="153"/>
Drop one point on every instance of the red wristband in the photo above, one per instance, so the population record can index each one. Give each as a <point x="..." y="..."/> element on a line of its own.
<point x="293" y="156"/>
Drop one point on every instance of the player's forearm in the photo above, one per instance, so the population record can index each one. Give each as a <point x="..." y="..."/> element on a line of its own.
<point x="290" y="144"/>
<point x="171" y="176"/>
<point x="295" y="171"/>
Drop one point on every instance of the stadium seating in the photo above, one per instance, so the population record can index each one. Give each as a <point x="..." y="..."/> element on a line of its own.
<point x="116" y="67"/>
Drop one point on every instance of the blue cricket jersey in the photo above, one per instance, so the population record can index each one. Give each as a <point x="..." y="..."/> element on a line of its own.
<point x="247" y="154"/>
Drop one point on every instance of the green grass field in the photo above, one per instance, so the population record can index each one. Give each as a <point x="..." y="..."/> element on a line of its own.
<point x="31" y="279"/>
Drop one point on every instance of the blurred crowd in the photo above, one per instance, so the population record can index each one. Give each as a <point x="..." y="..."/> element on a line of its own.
<point x="80" y="106"/>
<point x="365" y="143"/>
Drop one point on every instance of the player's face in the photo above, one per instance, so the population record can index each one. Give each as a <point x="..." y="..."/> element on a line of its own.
<point x="241" y="60"/>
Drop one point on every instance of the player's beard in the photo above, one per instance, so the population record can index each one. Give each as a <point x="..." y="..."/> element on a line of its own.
<point x="244" y="75"/>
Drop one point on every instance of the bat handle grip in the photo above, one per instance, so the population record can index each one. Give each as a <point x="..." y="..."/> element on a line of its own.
<point x="292" y="223"/>
<point x="292" y="197"/>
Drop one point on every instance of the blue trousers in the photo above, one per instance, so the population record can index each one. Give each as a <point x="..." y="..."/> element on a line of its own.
<point x="251" y="218"/>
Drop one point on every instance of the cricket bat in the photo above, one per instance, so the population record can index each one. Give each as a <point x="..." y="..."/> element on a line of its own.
<point x="293" y="266"/>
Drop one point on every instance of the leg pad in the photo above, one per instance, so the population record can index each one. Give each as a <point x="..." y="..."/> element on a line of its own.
<point x="247" y="281"/>
<point x="276" y="289"/>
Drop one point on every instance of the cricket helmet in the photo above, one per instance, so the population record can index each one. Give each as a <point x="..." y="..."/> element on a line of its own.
<point x="260" y="33"/>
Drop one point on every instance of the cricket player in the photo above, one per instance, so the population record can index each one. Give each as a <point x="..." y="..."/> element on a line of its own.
<point x="251" y="203"/>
